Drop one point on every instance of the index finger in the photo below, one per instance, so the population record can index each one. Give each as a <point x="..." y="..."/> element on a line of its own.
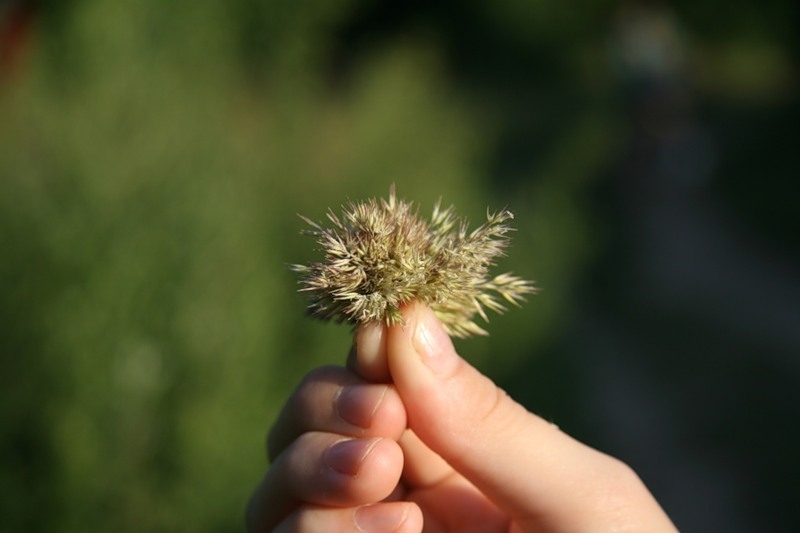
<point x="367" y="357"/>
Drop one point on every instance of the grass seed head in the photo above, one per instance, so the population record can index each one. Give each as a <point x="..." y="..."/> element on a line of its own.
<point x="379" y="255"/>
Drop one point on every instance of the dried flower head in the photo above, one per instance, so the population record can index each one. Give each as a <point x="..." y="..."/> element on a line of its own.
<point x="380" y="255"/>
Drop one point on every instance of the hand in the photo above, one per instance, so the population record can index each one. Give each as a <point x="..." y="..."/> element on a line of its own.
<point x="411" y="437"/>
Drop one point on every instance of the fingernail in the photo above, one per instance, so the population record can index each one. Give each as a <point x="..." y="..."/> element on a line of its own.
<point x="347" y="456"/>
<point x="432" y="342"/>
<point x="370" y="340"/>
<point x="380" y="518"/>
<point x="357" y="404"/>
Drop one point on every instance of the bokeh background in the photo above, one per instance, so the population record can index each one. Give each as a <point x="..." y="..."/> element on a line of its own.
<point x="154" y="155"/>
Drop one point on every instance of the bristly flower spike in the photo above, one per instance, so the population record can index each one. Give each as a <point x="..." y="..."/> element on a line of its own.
<point x="380" y="255"/>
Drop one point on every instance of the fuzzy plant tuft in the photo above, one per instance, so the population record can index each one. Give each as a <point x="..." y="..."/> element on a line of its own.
<point x="379" y="255"/>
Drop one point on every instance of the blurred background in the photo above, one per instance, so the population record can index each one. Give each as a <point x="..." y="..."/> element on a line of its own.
<point x="154" y="156"/>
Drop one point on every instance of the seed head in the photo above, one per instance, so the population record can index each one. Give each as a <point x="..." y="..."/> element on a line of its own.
<point x="380" y="255"/>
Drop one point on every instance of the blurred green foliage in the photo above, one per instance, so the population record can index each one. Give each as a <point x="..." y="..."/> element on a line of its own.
<point x="153" y="157"/>
<point x="152" y="162"/>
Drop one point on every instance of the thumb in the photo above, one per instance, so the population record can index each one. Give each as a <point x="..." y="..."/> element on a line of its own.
<point x="517" y="459"/>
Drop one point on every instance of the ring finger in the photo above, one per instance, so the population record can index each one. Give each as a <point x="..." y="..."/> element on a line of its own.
<point x="326" y="469"/>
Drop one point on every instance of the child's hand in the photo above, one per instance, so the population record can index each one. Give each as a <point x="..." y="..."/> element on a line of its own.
<point x="411" y="436"/>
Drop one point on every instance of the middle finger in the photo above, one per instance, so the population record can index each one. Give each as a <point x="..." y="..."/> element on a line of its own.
<point x="335" y="400"/>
